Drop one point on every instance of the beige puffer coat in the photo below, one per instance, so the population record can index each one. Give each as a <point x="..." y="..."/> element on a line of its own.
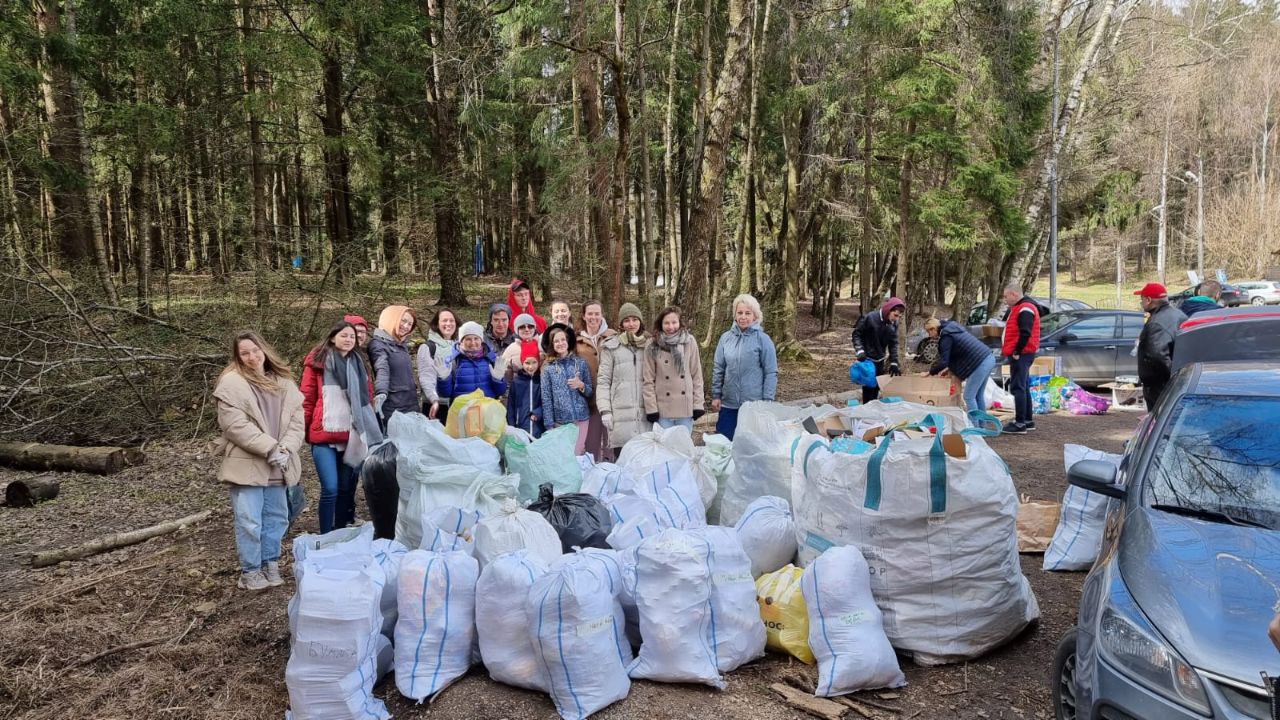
<point x="245" y="445"/>
<point x="620" y="390"/>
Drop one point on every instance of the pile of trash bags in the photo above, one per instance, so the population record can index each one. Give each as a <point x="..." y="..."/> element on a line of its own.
<point x="677" y="563"/>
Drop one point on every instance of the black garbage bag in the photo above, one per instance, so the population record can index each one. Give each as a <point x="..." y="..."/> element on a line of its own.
<point x="580" y="520"/>
<point x="381" y="491"/>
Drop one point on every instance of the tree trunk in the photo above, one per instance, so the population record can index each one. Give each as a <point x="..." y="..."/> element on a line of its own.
<point x="669" y="203"/>
<point x="442" y="90"/>
<point x="67" y="458"/>
<point x="1162" y="230"/>
<point x="387" y="201"/>
<point x="337" y="172"/>
<point x="613" y="279"/>
<point x="257" y="173"/>
<point x="114" y="540"/>
<point x="29" y="491"/>
<point x="140" y="208"/>
<point x="704" y="218"/>
<point x="903" y="281"/>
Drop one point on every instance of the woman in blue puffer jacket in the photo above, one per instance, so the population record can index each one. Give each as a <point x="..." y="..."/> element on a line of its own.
<point x="566" y="384"/>
<point x="746" y="365"/>
<point x="469" y="366"/>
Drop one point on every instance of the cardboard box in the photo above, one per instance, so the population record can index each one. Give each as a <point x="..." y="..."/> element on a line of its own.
<point x="936" y="391"/>
<point x="1042" y="365"/>
<point x="992" y="331"/>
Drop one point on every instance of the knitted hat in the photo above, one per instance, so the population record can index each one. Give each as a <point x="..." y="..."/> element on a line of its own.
<point x="471" y="328"/>
<point x="356" y="320"/>
<point x="496" y="308"/>
<point x="525" y="319"/>
<point x="528" y="349"/>
<point x="629" y="310"/>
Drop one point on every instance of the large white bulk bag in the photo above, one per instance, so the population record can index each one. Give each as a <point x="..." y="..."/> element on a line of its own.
<point x="388" y="554"/>
<point x="574" y="622"/>
<point x="436" y="629"/>
<point x="846" y="631"/>
<point x="673" y="598"/>
<point x="739" y="635"/>
<point x="768" y="534"/>
<point x="502" y="620"/>
<point x="762" y="454"/>
<point x="895" y="413"/>
<point x="514" y="528"/>
<point x="1078" y="538"/>
<point x="672" y="486"/>
<point x="664" y="445"/>
<point x="460" y="486"/>
<point x="939" y="532"/>
<point x="336" y="624"/>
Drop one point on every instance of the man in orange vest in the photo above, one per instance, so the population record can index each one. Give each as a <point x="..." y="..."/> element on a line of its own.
<point x="1021" y="341"/>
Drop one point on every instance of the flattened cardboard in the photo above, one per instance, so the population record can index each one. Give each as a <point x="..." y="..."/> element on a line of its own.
<point x="935" y="391"/>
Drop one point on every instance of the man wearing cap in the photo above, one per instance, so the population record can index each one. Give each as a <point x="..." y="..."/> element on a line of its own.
<point x="1155" y="344"/>
<point x="362" y="329"/>
<point x="520" y="300"/>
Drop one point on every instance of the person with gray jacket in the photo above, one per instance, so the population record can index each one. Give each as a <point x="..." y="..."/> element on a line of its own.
<point x="746" y="365"/>
<point x="394" y="387"/>
<point x="620" y="385"/>
<point x="1155" y="344"/>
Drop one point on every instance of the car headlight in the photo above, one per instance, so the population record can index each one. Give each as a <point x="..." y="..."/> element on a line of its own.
<point x="1129" y="641"/>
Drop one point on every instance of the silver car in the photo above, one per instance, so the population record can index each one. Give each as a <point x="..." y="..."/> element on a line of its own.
<point x="1260" y="292"/>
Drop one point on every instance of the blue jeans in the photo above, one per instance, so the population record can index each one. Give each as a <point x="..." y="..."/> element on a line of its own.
<point x="672" y="422"/>
<point x="337" y="488"/>
<point x="261" y="518"/>
<point x="727" y="421"/>
<point x="975" y="387"/>
<point x="1020" y="386"/>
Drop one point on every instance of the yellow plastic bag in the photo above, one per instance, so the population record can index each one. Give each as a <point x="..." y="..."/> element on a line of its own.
<point x="786" y="619"/>
<point x="474" y="415"/>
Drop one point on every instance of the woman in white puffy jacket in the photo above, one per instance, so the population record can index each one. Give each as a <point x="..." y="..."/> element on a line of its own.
<point x="620" y="385"/>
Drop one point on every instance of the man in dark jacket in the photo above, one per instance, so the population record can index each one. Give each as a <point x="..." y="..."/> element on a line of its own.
<point x="1155" y="344"/>
<point x="497" y="333"/>
<point x="1021" y="341"/>
<point x="875" y="338"/>
<point x="965" y="358"/>
<point x="1205" y="299"/>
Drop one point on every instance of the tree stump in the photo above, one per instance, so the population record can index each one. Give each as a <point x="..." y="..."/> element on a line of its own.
<point x="99" y="460"/>
<point x="26" y="493"/>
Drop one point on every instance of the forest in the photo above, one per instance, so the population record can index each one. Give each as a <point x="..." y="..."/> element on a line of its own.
<point x="169" y="160"/>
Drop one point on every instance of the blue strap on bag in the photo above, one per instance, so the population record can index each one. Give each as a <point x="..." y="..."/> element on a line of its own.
<point x="984" y="424"/>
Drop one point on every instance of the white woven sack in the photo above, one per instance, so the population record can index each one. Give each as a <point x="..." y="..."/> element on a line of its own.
<point x="762" y="454"/>
<point x="514" y="528"/>
<point x="502" y="621"/>
<point x="739" y="634"/>
<point x="459" y="486"/>
<point x="673" y="597"/>
<point x="424" y="443"/>
<point x="574" y="623"/>
<point x="348" y="698"/>
<point x="768" y="534"/>
<point x="388" y="554"/>
<point x="940" y="535"/>
<point x="846" y="630"/>
<point x="436" y="629"/>
<point x="607" y="481"/>
<point x="1078" y="537"/>
<point x="673" y="488"/>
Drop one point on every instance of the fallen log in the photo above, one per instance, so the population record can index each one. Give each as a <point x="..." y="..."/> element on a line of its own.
<point x="804" y="702"/>
<point x="28" y="492"/>
<point x="114" y="540"/>
<point x="68" y="458"/>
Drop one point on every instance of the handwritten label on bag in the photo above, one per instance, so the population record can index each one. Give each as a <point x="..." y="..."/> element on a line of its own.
<point x="592" y="627"/>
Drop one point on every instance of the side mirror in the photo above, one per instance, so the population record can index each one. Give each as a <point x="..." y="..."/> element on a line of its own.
<point x="1096" y="476"/>
<point x="1068" y="337"/>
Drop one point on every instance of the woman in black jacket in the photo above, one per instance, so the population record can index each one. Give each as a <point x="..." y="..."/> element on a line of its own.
<point x="875" y="337"/>
<point x="964" y="357"/>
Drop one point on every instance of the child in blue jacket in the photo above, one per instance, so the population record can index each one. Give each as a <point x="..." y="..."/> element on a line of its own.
<point x="524" y="401"/>
<point x="566" y="383"/>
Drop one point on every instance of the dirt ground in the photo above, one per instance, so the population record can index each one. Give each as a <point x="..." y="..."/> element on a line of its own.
<point x="159" y="630"/>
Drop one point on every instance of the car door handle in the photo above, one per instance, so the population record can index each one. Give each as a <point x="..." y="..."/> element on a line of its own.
<point x="1109" y="347"/>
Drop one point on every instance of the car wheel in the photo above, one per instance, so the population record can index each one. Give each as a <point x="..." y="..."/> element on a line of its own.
<point x="1257" y="300"/>
<point x="1063" y="680"/>
<point x="927" y="351"/>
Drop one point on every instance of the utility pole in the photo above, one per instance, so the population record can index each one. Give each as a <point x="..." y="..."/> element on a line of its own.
<point x="1053" y="189"/>
<point x="1198" y="178"/>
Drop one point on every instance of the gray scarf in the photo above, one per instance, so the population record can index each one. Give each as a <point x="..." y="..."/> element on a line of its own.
<point x="673" y="344"/>
<point x="349" y="374"/>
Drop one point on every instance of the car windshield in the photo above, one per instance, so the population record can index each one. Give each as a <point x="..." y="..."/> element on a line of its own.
<point x="1218" y="456"/>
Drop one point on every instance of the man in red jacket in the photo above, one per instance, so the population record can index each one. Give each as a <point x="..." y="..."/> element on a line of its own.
<point x="1021" y="341"/>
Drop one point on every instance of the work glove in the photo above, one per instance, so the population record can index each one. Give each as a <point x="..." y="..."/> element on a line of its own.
<point x="861" y="355"/>
<point x="651" y="417"/>
<point x="698" y="413"/>
<point x="606" y="419"/>
<point x="893" y="370"/>
<point x="279" y="457"/>
<point x="378" y="400"/>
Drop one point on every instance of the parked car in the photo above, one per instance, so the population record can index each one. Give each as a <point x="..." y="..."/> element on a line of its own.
<point x="1095" y="345"/>
<point x="1173" y="616"/>
<point x="1260" y="292"/>
<point x="925" y="348"/>
<point x="1231" y="296"/>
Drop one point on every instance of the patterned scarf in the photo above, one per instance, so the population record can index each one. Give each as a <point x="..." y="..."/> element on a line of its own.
<point x="673" y="344"/>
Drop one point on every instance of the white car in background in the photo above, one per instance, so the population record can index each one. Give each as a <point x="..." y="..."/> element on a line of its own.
<point x="1260" y="292"/>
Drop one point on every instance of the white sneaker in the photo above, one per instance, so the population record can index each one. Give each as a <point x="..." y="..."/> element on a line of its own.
<point x="253" y="580"/>
<point x="272" y="573"/>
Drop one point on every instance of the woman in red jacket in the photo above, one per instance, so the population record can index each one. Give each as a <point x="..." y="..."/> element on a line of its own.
<point x="341" y="426"/>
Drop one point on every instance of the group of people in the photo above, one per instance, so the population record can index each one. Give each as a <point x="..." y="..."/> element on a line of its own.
<point x="612" y="384"/>
<point x="967" y="359"/>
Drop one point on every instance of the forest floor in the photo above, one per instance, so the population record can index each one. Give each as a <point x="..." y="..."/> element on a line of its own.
<point x="159" y="630"/>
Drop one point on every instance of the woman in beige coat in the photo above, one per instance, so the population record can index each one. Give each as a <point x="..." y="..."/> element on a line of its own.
<point x="260" y="413"/>
<point x="620" y="382"/>
<point x="672" y="373"/>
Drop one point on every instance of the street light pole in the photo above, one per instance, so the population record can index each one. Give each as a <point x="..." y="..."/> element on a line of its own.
<point x="1200" y="216"/>
<point x="1053" y="188"/>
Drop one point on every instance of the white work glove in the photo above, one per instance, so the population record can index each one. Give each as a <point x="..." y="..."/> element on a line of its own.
<point x="279" y="457"/>
<point x="606" y="419"/>
<point x="378" y="400"/>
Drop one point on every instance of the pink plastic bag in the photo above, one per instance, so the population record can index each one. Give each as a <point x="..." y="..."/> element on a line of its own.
<point x="1083" y="402"/>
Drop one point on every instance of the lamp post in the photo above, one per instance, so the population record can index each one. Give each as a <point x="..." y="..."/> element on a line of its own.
<point x="1198" y="178"/>
<point x="1053" y="188"/>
